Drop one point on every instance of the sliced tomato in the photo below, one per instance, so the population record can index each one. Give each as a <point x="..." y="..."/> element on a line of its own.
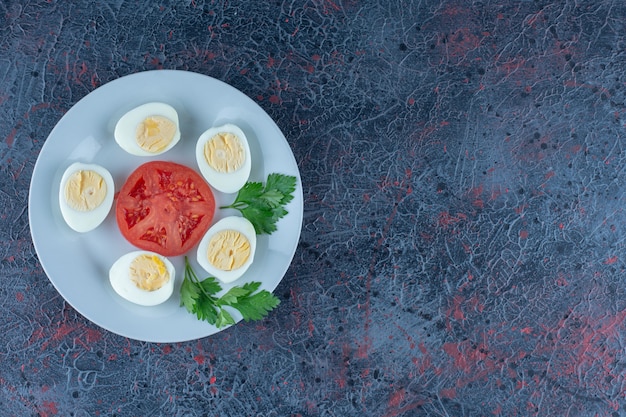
<point x="164" y="207"/>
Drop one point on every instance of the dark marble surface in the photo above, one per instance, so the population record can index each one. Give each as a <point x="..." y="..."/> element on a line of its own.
<point x="463" y="175"/>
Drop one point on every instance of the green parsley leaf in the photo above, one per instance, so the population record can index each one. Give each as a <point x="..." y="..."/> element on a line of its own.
<point x="262" y="205"/>
<point x="249" y="193"/>
<point x="189" y="293"/>
<point x="263" y="219"/>
<point x="232" y="295"/>
<point x="205" y="309"/>
<point x="210" y="286"/>
<point x="256" y="306"/>
<point x="284" y="184"/>
<point x="251" y="286"/>
<point x="199" y="298"/>
<point x="224" y="319"/>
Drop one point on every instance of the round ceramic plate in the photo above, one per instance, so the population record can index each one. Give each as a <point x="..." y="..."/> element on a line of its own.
<point x="78" y="264"/>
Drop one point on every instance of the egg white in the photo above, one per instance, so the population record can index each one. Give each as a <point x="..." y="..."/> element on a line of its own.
<point x="126" y="127"/>
<point x="227" y="182"/>
<point x="239" y="224"/>
<point x="119" y="277"/>
<point x="85" y="221"/>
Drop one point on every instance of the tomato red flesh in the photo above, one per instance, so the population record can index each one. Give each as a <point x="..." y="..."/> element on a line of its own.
<point x="164" y="207"/>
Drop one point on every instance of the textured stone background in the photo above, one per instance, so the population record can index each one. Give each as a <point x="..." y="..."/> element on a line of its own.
<point x="464" y="184"/>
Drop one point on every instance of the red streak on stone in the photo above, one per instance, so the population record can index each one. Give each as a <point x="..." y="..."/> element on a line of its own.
<point x="533" y="19"/>
<point x="332" y="5"/>
<point x="597" y="89"/>
<point x="467" y="359"/>
<point x="11" y="138"/>
<point x="402" y="411"/>
<point x="611" y="260"/>
<point x="212" y="380"/>
<point x="445" y="219"/>
<point x="526" y="330"/>
<point x="476" y="193"/>
<point x="274" y="99"/>
<point x="38" y="334"/>
<point x="455" y="11"/>
<point x="523" y="234"/>
<point x="199" y="359"/>
<point x="48" y="408"/>
<point x="19" y="296"/>
<point x="448" y="393"/>
<point x="396" y="398"/>
<point x="452" y="349"/>
<point x="520" y="209"/>
<point x="460" y="43"/>
<point x="422" y="364"/>
<point x="93" y="335"/>
<point x="456" y="312"/>
<point x="83" y="70"/>
<point x="62" y="331"/>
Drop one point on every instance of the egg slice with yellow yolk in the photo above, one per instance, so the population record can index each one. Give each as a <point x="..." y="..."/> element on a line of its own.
<point x="227" y="249"/>
<point x="148" y="130"/>
<point x="155" y="133"/>
<point x="224" y="152"/>
<point x="85" y="190"/>
<point x="223" y="157"/>
<point x="148" y="272"/>
<point x="143" y="277"/>
<point x="85" y="196"/>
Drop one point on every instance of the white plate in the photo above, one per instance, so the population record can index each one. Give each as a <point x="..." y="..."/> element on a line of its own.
<point x="78" y="264"/>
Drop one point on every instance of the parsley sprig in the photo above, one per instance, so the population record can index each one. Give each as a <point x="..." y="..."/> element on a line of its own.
<point x="264" y="205"/>
<point x="199" y="298"/>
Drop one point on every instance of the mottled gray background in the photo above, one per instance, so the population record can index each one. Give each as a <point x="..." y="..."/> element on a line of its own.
<point x="463" y="174"/>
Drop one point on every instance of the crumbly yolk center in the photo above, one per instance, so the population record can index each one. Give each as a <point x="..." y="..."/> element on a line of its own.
<point x="85" y="190"/>
<point x="224" y="152"/>
<point x="148" y="272"/>
<point x="155" y="133"/>
<point x="228" y="250"/>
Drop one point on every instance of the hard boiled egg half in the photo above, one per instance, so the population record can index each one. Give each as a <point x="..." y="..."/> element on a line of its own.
<point x="148" y="130"/>
<point x="85" y="196"/>
<point x="143" y="277"/>
<point x="227" y="249"/>
<point x="223" y="156"/>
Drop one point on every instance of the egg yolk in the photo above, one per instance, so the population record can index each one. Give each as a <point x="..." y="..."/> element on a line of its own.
<point x="228" y="250"/>
<point x="224" y="152"/>
<point x="155" y="133"/>
<point x="148" y="272"/>
<point x="85" y="190"/>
